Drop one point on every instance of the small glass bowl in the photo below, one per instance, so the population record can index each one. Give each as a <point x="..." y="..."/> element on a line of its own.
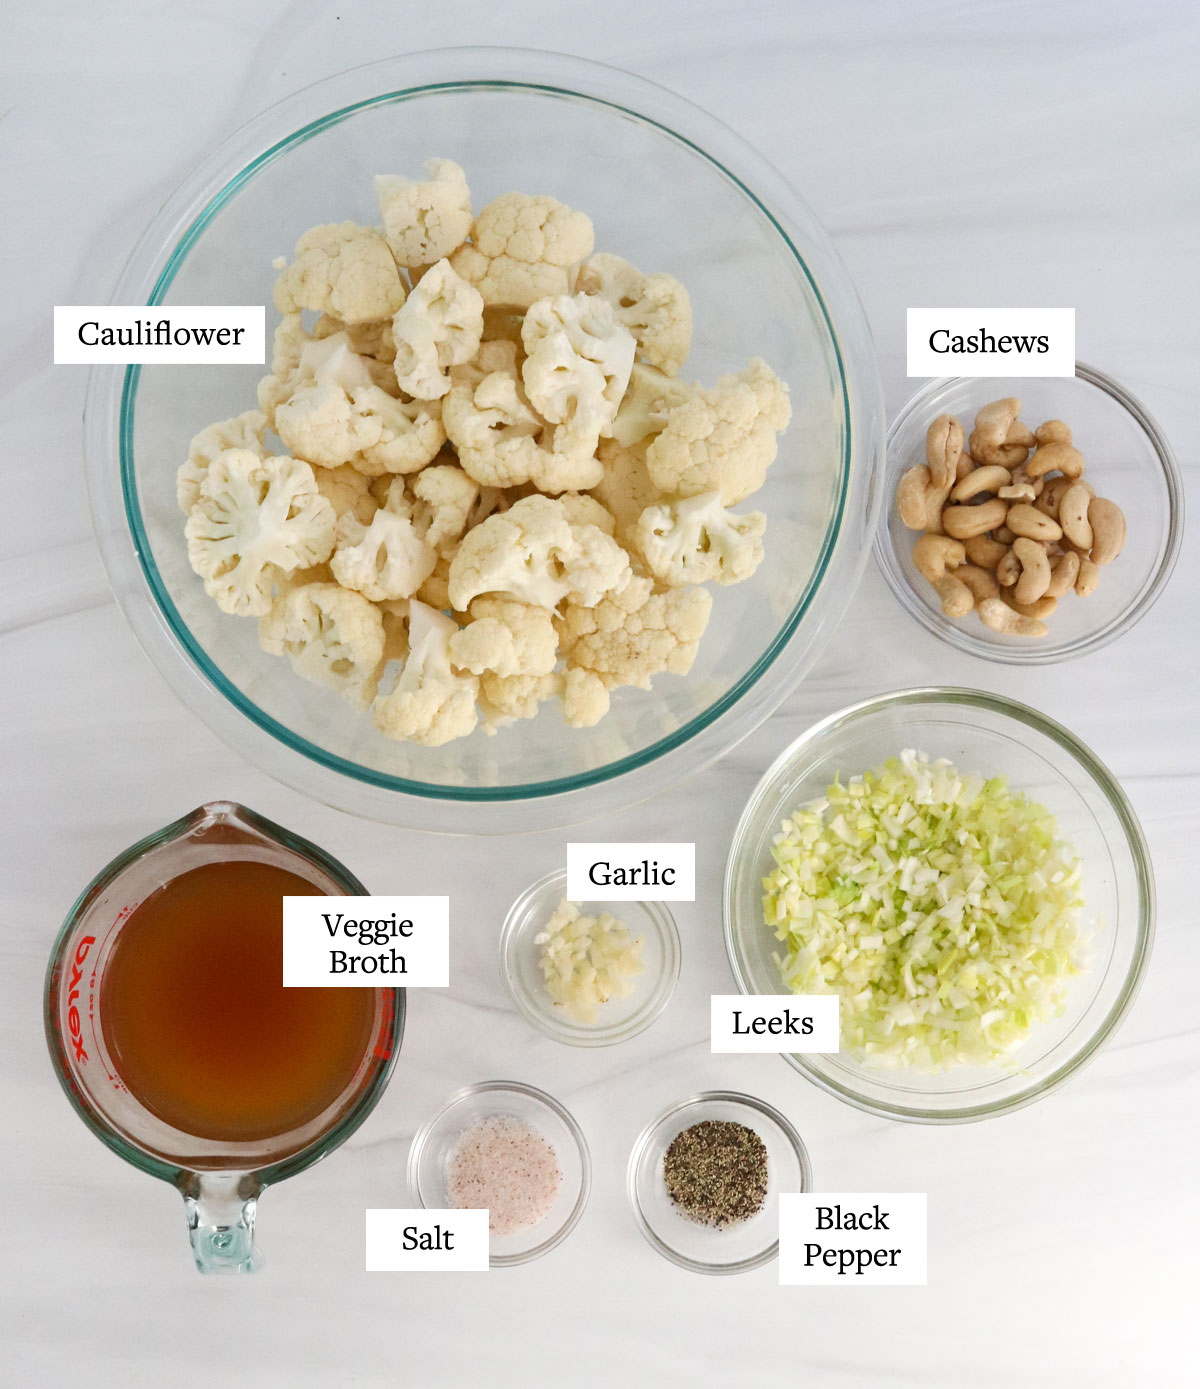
<point x="990" y="735"/>
<point x="1129" y="461"/>
<point x="436" y="1139"/>
<point x="702" y="1248"/>
<point x="620" y="1018"/>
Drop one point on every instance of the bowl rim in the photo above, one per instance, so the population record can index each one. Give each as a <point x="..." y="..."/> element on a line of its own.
<point x="643" y="1141"/>
<point x="1105" y="782"/>
<point x="518" y="920"/>
<point x="111" y="396"/>
<point x="962" y="637"/>
<point x="529" y="1092"/>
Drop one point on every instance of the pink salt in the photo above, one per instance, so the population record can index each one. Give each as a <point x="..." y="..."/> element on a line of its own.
<point x="505" y="1166"/>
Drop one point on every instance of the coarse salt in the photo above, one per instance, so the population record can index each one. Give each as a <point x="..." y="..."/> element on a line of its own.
<point x="503" y="1165"/>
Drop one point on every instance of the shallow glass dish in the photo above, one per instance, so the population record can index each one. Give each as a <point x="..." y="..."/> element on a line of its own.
<point x="702" y="1248"/>
<point x="986" y="734"/>
<point x="1128" y="461"/>
<point x="620" y="1018"/>
<point x="764" y="281"/>
<point x="435" y="1141"/>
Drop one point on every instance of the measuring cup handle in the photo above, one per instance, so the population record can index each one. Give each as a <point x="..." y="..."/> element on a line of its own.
<point x="220" y="1214"/>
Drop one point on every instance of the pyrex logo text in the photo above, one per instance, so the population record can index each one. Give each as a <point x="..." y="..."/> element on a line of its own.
<point x="73" y="1019"/>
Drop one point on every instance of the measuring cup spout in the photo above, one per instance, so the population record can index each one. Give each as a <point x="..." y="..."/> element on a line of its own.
<point x="220" y="1214"/>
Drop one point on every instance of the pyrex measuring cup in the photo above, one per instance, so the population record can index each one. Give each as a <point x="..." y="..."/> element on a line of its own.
<point x="220" y="1180"/>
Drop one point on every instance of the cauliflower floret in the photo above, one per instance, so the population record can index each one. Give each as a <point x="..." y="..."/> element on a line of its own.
<point x="722" y="439"/>
<point x="435" y="591"/>
<point x="384" y="560"/>
<point x="625" y="489"/>
<point x="696" y="541"/>
<point x="648" y="399"/>
<point x="445" y="499"/>
<point x="506" y="698"/>
<point x="507" y="638"/>
<point x="430" y="703"/>
<point x="242" y="432"/>
<point x="347" y="491"/>
<point x="585" y="510"/>
<point x="633" y="634"/>
<point x="256" y="519"/>
<point x="577" y="364"/>
<point x="533" y="553"/>
<point x="655" y="308"/>
<point x="373" y="339"/>
<point x="331" y="636"/>
<point x="439" y="326"/>
<point x="500" y="438"/>
<point x="523" y="248"/>
<point x="425" y="219"/>
<point x="585" y="698"/>
<point x="342" y="269"/>
<point x="287" y="348"/>
<point x="410" y="432"/>
<point x="320" y="424"/>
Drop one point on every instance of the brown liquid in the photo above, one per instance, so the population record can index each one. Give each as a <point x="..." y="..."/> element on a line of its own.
<point x="197" y="1020"/>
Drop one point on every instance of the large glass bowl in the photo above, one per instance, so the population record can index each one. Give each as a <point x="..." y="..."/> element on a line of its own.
<point x="1129" y="460"/>
<point x="985" y="734"/>
<point x="669" y="188"/>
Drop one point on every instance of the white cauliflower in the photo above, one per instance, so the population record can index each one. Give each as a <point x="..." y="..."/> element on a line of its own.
<point x="425" y="219"/>
<point x="505" y="698"/>
<point x="634" y="633"/>
<point x="655" y="308"/>
<point x="585" y="510"/>
<point x="314" y="414"/>
<point x="524" y="248"/>
<point x="501" y="440"/>
<point x="533" y="553"/>
<point x="696" y="541"/>
<point x="331" y="636"/>
<point x="506" y="637"/>
<point x="439" y="325"/>
<point x="585" y="698"/>
<point x="347" y="490"/>
<point x="648" y="399"/>
<point x="430" y="703"/>
<point x="386" y="559"/>
<point x="242" y="432"/>
<point x="287" y="348"/>
<point x="722" y="439"/>
<point x="577" y="364"/>
<point x="256" y="519"/>
<point x="409" y="432"/>
<point x="341" y="269"/>
<point x="445" y="503"/>
<point x="625" y="488"/>
<point x="372" y="339"/>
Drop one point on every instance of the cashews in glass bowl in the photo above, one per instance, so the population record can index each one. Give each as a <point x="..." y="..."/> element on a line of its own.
<point x="948" y="582"/>
<point x="763" y="280"/>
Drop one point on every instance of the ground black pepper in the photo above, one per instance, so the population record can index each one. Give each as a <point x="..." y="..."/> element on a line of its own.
<point x="716" y="1172"/>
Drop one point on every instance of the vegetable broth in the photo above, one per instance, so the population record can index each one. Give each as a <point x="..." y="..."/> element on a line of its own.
<point x="198" y="1023"/>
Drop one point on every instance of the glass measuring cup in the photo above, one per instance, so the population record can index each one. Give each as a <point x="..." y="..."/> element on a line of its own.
<point x="220" y="1180"/>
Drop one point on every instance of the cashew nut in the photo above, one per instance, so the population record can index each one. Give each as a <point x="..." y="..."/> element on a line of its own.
<point x="1073" y="515"/>
<point x="1028" y="521"/>
<point x="1051" y="495"/>
<point x="1089" y="577"/>
<point x="1004" y="536"/>
<point x="1108" y="530"/>
<point x="1041" y="607"/>
<point x="989" y="441"/>
<point x="996" y="614"/>
<point x="989" y="478"/>
<point x="1056" y="458"/>
<point x="983" y="552"/>
<point x="1008" y="571"/>
<point x="964" y="521"/>
<point x="1063" y="574"/>
<point x="1052" y="432"/>
<point x="979" y="581"/>
<point x="965" y="464"/>
<point x="1035" y="570"/>
<point x="934" y="555"/>
<point x="943" y="448"/>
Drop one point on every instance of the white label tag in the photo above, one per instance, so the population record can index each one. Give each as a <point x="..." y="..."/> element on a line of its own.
<point x="631" y="872"/>
<point x="991" y="342"/>
<point x="427" y="1241"/>
<point x="775" y="1022"/>
<point x="184" y="335"/>
<point x="853" y="1239"/>
<point x="397" y="942"/>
